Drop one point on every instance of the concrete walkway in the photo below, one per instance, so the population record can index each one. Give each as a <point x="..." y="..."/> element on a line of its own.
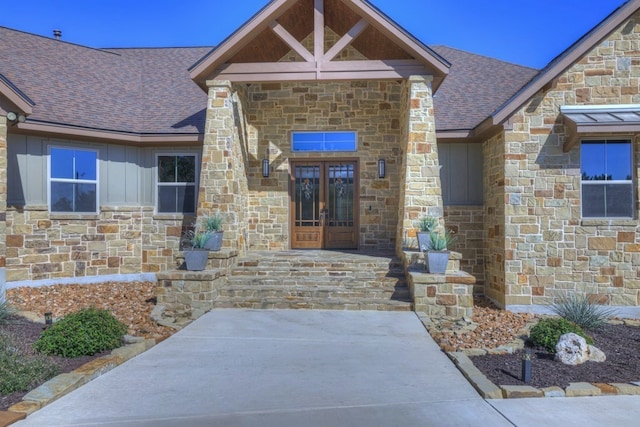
<point x="307" y="368"/>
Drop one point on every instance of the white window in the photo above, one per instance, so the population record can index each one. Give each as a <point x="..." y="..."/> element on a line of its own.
<point x="607" y="179"/>
<point x="73" y="180"/>
<point x="176" y="183"/>
<point x="324" y="141"/>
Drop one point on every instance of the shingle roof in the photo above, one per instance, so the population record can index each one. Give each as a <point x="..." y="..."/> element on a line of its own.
<point x="149" y="90"/>
<point x="475" y="87"/>
<point x="128" y="90"/>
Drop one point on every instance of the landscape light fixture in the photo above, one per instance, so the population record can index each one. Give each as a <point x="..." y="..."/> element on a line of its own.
<point x="14" y="118"/>
<point x="48" y="318"/>
<point x="526" y="366"/>
<point x="382" y="168"/>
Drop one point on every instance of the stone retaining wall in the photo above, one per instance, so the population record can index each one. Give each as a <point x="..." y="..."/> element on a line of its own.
<point x="449" y="294"/>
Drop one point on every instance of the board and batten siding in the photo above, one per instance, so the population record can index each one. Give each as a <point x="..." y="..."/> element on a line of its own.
<point x="461" y="173"/>
<point x="126" y="174"/>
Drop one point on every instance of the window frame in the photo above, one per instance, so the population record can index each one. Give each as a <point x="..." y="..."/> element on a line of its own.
<point x="157" y="184"/>
<point x="321" y="132"/>
<point x="51" y="180"/>
<point x="632" y="182"/>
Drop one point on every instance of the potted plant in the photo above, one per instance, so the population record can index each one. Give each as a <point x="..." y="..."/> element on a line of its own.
<point x="437" y="253"/>
<point x="426" y="225"/>
<point x="213" y="225"/>
<point x="196" y="256"/>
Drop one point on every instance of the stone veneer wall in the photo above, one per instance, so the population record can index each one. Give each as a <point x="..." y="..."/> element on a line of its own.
<point x="3" y="201"/>
<point x="549" y="249"/>
<point x="119" y="240"/>
<point x="494" y="219"/>
<point x="467" y="222"/>
<point x="223" y="176"/>
<point x="371" y="108"/>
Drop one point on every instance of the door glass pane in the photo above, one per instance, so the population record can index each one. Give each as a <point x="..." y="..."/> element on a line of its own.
<point x="341" y="191"/>
<point x="307" y="195"/>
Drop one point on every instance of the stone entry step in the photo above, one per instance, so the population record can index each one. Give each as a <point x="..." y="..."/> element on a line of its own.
<point x="317" y="280"/>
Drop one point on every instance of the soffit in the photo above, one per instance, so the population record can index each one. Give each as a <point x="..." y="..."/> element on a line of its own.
<point x="255" y="51"/>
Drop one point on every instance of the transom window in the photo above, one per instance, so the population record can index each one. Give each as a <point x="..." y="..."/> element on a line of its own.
<point x="73" y="180"/>
<point x="607" y="179"/>
<point x="176" y="183"/>
<point x="323" y="141"/>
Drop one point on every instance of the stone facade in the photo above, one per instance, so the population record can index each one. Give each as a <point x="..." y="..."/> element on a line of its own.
<point x="467" y="222"/>
<point x="533" y="205"/>
<point x="3" y="201"/>
<point x="267" y="113"/>
<point x="45" y="246"/>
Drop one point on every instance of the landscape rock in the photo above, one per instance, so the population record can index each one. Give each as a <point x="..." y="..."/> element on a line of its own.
<point x="572" y="349"/>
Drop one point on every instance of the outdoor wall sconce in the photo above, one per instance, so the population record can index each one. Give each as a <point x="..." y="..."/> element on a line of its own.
<point x="265" y="168"/>
<point x="382" y="168"/>
<point x="15" y="118"/>
<point x="48" y="318"/>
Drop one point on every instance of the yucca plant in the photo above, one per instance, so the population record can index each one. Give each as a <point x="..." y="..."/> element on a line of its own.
<point x="441" y="242"/>
<point x="581" y="310"/>
<point x="212" y="223"/>
<point x="426" y="224"/>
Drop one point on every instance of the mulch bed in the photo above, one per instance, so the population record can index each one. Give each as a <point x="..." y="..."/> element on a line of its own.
<point x="620" y="343"/>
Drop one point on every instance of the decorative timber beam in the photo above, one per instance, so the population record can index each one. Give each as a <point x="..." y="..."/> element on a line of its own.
<point x="346" y="40"/>
<point x="291" y="41"/>
<point x="318" y="30"/>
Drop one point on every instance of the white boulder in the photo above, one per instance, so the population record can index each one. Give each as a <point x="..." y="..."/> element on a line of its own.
<point x="573" y="350"/>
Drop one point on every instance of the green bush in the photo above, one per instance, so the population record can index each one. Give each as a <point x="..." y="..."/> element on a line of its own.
<point x="21" y="372"/>
<point x="582" y="311"/>
<point x="84" y="333"/>
<point x="548" y="331"/>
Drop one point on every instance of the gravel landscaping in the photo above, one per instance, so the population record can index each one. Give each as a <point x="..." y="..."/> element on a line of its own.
<point x="131" y="303"/>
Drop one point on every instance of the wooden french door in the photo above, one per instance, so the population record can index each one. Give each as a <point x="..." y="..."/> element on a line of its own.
<point x="324" y="204"/>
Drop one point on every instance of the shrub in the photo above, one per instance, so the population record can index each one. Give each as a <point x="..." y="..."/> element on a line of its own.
<point x="84" y="333"/>
<point x="21" y="372"/>
<point x="582" y="311"/>
<point x="548" y="331"/>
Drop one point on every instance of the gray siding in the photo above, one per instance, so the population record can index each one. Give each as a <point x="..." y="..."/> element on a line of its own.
<point x="126" y="174"/>
<point x="461" y="173"/>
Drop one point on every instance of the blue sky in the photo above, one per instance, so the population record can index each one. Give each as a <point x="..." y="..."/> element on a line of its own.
<point x="526" y="32"/>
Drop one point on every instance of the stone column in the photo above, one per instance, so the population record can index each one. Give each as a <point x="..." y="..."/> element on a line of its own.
<point x="223" y="180"/>
<point x="3" y="203"/>
<point x="420" y="192"/>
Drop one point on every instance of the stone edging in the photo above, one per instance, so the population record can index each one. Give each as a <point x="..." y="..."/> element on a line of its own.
<point x="489" y="390"/>
<point x="64" y="383"/>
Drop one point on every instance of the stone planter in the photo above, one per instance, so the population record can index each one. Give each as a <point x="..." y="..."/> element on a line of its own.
<point x="196" y="259"/>
<point x="215" y="241"/>
<point x="437" y="261"/>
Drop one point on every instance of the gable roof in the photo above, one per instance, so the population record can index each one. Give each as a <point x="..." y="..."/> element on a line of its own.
<point x="476" y="85"/>
<point x="121" y="94"/>
<point x="254" y="51"/>
<point x="561" y="63"/>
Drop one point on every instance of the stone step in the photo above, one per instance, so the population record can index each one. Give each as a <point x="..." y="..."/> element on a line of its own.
<point x="322" y="292"/>
<point x="313" y="303"/>
<point x="301" y="280"/>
